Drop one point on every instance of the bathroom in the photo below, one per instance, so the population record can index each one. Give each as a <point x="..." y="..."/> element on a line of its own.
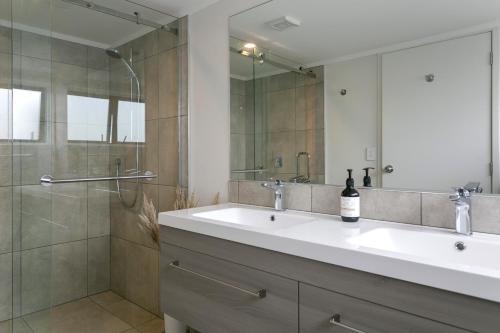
<point x="181" y="166"/>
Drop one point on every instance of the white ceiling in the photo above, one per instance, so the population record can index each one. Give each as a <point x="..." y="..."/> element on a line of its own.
<point x="331" y="29"/>
<point x="64" y="20"/>
<point x="177" y="8"/>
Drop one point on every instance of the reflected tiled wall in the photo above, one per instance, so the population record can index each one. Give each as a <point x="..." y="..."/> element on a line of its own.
<point x="288" y="118"/>
<point x="54" y="241"/>
<point x="161" y="59"/>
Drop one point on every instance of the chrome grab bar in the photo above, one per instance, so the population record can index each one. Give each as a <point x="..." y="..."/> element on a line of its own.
<point x="335" y="320"/>
<point x="249" y="170"/>
<point x="259" y="293"/>
<point x="49" y="180"/>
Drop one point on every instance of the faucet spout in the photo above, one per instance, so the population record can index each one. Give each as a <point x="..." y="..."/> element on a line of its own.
<point x="463" y="216"/>
<point x="278" y="187"/>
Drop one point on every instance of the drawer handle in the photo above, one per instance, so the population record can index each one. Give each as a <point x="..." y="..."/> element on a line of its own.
<point x="335" y="320"/>
<point x="259" y="294"/>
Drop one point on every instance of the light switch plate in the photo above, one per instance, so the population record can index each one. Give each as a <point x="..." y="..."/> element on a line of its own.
<point x="371" y="154"/>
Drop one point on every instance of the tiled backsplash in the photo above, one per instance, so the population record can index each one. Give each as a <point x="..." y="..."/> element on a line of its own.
<point x="424" y="208"/>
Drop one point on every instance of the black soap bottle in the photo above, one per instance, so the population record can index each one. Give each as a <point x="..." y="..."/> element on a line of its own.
<point x="349" y="201"/>
<point x="367" y="180"/>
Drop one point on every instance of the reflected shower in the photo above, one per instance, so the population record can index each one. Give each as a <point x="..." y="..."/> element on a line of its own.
<point x="115" y="54"/>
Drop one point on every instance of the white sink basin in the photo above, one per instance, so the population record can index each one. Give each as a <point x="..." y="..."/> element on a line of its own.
<point x="254" y="218"/>
<point x="433" y="246"/>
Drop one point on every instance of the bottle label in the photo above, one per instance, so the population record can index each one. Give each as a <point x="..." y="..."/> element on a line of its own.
<point x="349" y="207"/>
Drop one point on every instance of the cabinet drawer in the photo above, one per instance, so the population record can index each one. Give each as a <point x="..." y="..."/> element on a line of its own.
<point x="216" y="296"/>
<point x="318" y="307"/>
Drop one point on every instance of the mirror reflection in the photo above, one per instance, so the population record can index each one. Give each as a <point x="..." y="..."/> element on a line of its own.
<point x="407" y="97"/>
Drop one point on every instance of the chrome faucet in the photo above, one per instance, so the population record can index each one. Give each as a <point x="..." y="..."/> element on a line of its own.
<point x="279" y="193"/>
<point x="463" y="217"/>
<point x="461" y="198"/>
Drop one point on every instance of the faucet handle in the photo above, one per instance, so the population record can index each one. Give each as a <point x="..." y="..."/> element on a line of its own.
<point x="459" y="192"/>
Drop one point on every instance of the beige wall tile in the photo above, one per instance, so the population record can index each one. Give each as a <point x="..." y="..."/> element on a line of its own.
<point x="35" y="278"/>
<point x="150" y="149"/>
<point x="118" y="268"/>
<point x="438" y="210"/>
<point x="298" y="197"/>
<point x="6" y="286"/>
<point x="485" y="213"/>
<point x="326" y="199"/>
<point x="98" y="271"/>
<point x="97" y="58"/>
<point x="69" y="212"/>
<point x="281" y="144"/>
<point x="151" y="87"/>
<point x="67" y="80"/>
<point x="395" y="206"/>
<point x="6" y="163"/>
<point x="252" y="193"/>
<point x="280" y="113"/>
<point x="6" y="202"/>
<point x="168" y="84"/>
<point x="233" y="191"/>
<point x="168" y="153"/>
<point x="130" y="313"/>
<point x="142" y="276"/>
<point x="68" y="52"/>
<point x="166" y="198"/>
<point x="36" y="46"/>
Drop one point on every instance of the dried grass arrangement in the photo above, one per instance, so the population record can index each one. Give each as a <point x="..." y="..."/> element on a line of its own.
<point x="183" y="200"/>
<point x="148" y="219"/>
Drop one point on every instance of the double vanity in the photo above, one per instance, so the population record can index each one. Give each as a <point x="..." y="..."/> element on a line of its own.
<point x="238" y="268"/>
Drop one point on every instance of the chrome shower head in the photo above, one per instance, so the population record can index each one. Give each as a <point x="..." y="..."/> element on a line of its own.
<point x="114" y="53"/>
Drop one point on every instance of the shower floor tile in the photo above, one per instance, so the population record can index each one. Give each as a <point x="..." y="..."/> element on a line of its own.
<point x="106" y="312"/>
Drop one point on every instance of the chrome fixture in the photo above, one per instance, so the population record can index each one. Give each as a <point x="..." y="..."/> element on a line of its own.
<point x="388" y="169"/>
<point x="115" y="54"/>
<point x="49" y="180"/>
<point x="279" y="193"/>
<point x="258" y="170"/>
<point x="335" y="321"/>
<point x="299" y="177"/>
<point x="258" y="294"/>
<point x="262" y="58"/>
<point x="463" y="217"/>
<point x="460" y="246"/>
<point x="135" y="17"/>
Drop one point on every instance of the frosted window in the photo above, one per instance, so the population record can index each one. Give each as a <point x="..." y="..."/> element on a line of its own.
<point x="131" y="122"/>
<point x="87" y="118"/>
<point x="26" y="110"/>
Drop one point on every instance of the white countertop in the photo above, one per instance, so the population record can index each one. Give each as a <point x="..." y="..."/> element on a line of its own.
<point x="416" y="254"/>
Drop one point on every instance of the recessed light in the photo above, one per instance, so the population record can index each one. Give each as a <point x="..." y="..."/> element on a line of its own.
<point x="249" y="46"/>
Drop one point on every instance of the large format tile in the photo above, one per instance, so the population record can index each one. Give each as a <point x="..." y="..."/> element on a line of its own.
<point x="15" y="326"/>
<point x="437" y="210"/>
<point x="233" y="191"/>
<point x="252" y="193"/>
<point x="118" y="270"/>
<point x="168" y="84"/>
<point x="69" y="212"/>
<point x="98" y="260"/>
<point x="67" y="80"/>
<point x="69" y="53"/>
<point x="154" y="326"/>
<point x="35" y="279"/>
<point x="168" y="154"/>
<point x="130" y="313"/>
<point x="298" y="197"/>
<point x="35" y="45"/>
<point x="6" y="202"/>
<point x="326" y="199"/>
<point x="280" y="110"/>
<point x="151" y="87"/>
<point x="485" y="213"/>
<point x="98" y="209"/>
<point x="394" y="206"/>
<point x="80" y="316"/>
<point x="6" y="286"/>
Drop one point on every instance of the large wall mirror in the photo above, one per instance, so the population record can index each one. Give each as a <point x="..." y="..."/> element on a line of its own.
<point x="404" y="90"/>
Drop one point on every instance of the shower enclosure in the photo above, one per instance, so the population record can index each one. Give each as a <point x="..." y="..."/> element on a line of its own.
<point x="92" y="121"/>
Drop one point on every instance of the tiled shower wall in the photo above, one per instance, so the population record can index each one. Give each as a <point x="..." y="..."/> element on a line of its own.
<point x="276" y="117"/>
<point x="161" y="57"/>
<point x="54" y="241"/>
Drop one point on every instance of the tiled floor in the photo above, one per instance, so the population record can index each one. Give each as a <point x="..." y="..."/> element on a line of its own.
<point x="102" y="313"/>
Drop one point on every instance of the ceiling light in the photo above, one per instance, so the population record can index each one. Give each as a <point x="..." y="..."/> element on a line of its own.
<point x="244" y="52"/>
<point x="249" y="46"/>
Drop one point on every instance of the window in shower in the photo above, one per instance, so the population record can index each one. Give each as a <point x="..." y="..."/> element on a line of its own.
<point x="26" y="113"/>
<point x="131" y="122"/>
<point x="87" y="118"/>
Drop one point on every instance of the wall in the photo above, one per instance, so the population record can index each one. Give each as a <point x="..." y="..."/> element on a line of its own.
<point x="209" y="98"/>
<point x="54" y="241"/>
<point x="350" y="120"/>
<point x="161" y="60"/>
<point x="278" y="117"/>
<point x="411" y="207"/>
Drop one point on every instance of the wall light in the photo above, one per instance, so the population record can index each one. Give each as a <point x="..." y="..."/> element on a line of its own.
<point x="249" y="46"/>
